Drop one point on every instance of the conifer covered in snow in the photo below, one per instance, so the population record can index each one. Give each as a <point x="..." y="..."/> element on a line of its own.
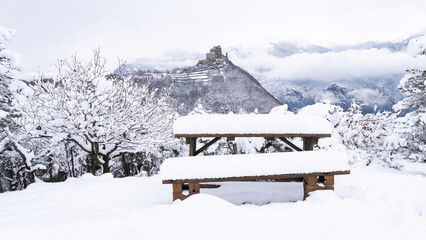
<point x="412" y="85"/>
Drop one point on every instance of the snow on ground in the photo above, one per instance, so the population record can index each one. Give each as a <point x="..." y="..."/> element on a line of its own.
<point x="370" y="203"/>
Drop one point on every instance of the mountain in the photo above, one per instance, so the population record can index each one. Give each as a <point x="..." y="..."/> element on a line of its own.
<point x="219" y="86"/>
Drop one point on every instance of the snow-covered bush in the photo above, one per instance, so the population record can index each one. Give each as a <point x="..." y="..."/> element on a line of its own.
<point x="366" y="138"/>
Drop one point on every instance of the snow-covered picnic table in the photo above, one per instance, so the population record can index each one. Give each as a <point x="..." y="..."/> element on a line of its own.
<point x="309" y="128"/>
<point x="316" y="169"/>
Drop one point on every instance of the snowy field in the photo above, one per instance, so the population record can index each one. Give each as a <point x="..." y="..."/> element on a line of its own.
<point x="370" y="203"/>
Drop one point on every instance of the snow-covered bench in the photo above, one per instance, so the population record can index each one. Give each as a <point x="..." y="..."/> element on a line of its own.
<point x="315" y="168"/>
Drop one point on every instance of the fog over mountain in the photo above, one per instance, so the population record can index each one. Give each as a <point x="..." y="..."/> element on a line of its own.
<point x="299" y="73"/>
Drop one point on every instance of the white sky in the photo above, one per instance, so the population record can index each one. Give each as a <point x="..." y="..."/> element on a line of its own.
<point x="52" y="29"/>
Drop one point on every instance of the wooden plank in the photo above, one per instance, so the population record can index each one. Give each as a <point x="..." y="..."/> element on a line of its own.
<point x="296" y="179"/>
<point x="271" y="135"/>
<point x="290" y="144"/>
<point x="255" y="178"/>
<point x="206" y="146"/>
<point x="207" y="185"/>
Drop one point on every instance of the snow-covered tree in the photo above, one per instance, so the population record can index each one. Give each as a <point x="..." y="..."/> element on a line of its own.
<point x="16" y="167"/>
<point x="412" y="85"/>
<point x="103" y="118"/>
<point x="7" y="66"/>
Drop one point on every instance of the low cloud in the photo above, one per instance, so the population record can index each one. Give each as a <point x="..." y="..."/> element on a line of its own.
<point x="328" y="66"/>
<point x="368" y="96"/>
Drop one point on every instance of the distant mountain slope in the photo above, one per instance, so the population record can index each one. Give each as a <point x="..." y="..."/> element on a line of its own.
<point x="298" y="73"/>
<point x="219" y="88"/>
<point x="375" y="92"/>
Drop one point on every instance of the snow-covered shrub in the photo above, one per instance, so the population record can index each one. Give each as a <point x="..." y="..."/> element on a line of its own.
<point x="371" y="136"/>
<point x="366" y="138"/>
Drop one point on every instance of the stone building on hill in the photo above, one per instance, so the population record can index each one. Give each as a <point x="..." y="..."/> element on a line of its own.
<point x="214" y="57"/>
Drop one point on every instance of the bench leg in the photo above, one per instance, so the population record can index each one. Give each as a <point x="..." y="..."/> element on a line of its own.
<point x="194" y="188"/>
<point x="177" y="192"/>
<point x="317" y="183"/>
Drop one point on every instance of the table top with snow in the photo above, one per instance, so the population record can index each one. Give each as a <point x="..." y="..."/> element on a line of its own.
<point x="243" y="165"/>
<point x="251" y="125"/>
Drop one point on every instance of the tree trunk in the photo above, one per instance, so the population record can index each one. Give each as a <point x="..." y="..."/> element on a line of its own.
<point x="126" y="166"/>
<point x="72" y="162"/>
<point x="105" y="164"/>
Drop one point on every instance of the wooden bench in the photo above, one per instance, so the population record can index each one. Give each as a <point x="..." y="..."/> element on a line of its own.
<point x="316" y="169"/>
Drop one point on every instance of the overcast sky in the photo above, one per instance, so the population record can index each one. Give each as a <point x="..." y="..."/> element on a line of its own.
<point x="130" y="29"/>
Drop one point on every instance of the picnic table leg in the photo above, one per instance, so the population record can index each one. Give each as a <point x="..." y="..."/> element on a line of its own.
<point x="309" y="142"/>
<point x="314" y="183"/>
<point x="309" y="185"/>
<point x="177" y="191"/>
<point x="193" y="188"/>
<point x="329" y="182"/>
<point x="192" y="145"/>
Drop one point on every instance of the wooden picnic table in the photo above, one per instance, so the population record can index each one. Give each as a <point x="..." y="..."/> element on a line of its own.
<point x="309" y="128"/>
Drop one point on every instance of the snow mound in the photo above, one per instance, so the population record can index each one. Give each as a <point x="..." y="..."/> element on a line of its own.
<point x="369" y="203"/>
<point x="322" y="196"/>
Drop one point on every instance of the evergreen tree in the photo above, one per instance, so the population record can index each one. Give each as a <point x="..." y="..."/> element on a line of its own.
<point x="412" y="85"/>
<point x="413" y="124"/>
